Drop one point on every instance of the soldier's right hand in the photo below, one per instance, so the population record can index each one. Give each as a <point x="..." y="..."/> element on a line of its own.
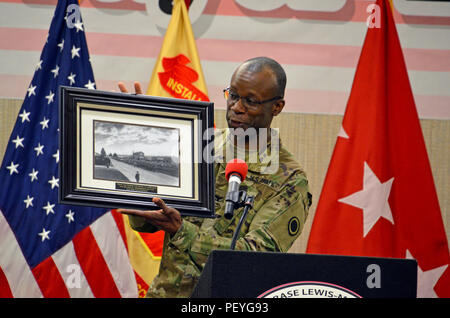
<point x="166" y="218"/>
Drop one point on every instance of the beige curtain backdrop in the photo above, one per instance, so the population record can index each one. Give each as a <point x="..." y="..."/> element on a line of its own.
<point x="311" y="138"/>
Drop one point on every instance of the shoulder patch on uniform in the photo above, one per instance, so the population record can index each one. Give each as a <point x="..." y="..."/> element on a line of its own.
<point x="293" y="226"/>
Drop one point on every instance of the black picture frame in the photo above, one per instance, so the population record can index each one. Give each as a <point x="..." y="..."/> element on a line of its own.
<point x="175" y="172"/>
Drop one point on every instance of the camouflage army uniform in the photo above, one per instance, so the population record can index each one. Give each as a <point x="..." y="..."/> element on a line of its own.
<point x="280" y="209"/>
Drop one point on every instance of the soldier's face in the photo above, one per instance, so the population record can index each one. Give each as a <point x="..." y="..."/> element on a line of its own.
<point x="257" y="87"/>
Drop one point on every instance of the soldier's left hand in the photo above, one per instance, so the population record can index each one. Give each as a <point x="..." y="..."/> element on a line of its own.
<point x="166" y="218"/>
<point x="137" y="88"/>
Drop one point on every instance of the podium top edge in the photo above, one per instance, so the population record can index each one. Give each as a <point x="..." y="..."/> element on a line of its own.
<point x="228" y="252"/>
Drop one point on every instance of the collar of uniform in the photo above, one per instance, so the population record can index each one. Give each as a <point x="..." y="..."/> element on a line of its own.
<point x="256" y="161"/>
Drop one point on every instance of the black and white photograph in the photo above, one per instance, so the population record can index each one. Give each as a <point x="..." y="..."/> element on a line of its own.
<point x="136" y="153"/>
<point x="122" y="150"/>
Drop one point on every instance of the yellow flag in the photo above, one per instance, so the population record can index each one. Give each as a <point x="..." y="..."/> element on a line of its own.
<point x="177" y="72"/>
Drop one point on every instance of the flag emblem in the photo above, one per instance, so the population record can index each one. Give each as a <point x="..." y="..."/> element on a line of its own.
<point x="178" y="78"/>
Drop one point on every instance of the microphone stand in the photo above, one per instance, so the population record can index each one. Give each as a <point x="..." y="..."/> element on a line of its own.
<point x="246" y="202"/>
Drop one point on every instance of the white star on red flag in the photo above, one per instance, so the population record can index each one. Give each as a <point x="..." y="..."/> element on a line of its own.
<point x="372" y="199"/>
<point x="426" y="280"/>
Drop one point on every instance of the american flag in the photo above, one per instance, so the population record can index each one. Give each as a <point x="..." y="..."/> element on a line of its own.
<point x="48" y="249"/>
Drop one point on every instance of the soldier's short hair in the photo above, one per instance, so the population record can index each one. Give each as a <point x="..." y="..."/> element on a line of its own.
<point x="257" y="64"/>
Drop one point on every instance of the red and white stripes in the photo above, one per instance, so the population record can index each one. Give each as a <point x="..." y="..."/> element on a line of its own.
<point x="94" y="264"/>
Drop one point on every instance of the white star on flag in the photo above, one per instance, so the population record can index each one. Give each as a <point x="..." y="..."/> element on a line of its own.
<point x="24" y="116"/>
<point x="69" y="216"/>
<point x="38" y="149"/>
<point x="55" y="71"/>
<point x="49" y="208"/>
<point x="31" y="90"/>
<point x="12" y="168"/>
<point x="38" y="65"/>
<point x="61" y="45"/>
<point x="44" y="234"/>
<point x="342" y="133"/>
<point x="426" y="280"/>
<point x="90" y="85"/>
<point x="50" y="97"/>
<point x="33" y="175"/>
<point x="56" y="156"/>
<point x="18" y="141"/>
<point x="372" y="199"/>
<point x="75" y="51"/>
<point x="28" y="201"/>
<point x="71" y="78"/>
<point x="78" y="25"/>
<point x="44" y="123"/>
<point x="54" y="182"/>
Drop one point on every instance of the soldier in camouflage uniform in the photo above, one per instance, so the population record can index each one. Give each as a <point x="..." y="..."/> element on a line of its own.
<point x="282" y="197"/>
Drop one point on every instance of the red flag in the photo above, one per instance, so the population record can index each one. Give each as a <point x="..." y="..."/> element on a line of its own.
<point x="379" y="197"/>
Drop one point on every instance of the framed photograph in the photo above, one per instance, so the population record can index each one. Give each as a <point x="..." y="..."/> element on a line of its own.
<point x="120" y="150"/>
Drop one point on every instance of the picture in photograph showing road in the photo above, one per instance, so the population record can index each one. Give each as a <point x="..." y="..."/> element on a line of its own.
<point x="136" y="153"/>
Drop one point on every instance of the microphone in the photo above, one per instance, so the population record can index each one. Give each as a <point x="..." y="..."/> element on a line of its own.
<point x="235" y="173"/>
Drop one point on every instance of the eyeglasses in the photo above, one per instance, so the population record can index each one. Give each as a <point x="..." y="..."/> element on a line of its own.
<point x="248" y="102"/>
